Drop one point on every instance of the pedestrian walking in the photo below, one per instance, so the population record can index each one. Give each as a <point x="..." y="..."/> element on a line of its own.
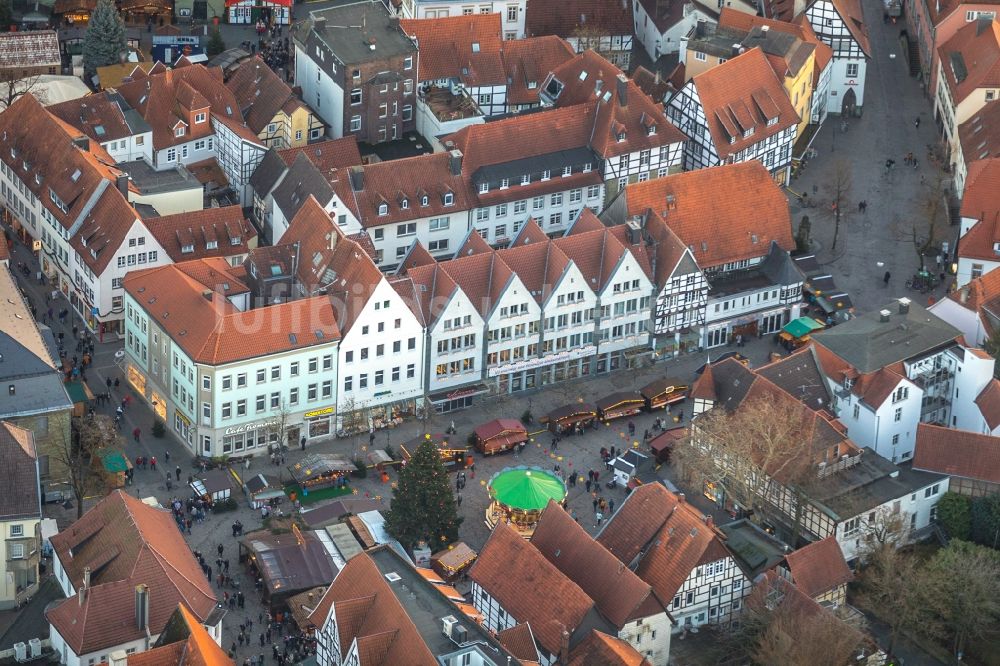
<point x="178" y="473"/>
<point x="152" y="463"/>
<point x="589" y="483"/>
<point x="885" y="278"/>
<point x="916" y="122"/>
<point x="599" y="516"/>
<point x="595" y="502"/>
<point x="136" y="434"/>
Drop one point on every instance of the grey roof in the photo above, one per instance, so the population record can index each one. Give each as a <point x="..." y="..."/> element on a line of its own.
<point x="731" y="381"/>
<point x="779" y="267"/>
<point x="268" y="173"/>
<point x="799" y="375"/>
<point x="151" y="181"/>
<point x="136" y="123"/>
<point x="27" y="359"/>
<point x="868" y="485"/>
<point x="351" y="30"/>
<point x="302" y="179"/>
<point x="426" y="606"/>
<point x="754" y="550"/>
<point x="869" y="344"/>
<point x="228" y="58"/>
<point x="20" y="496"/>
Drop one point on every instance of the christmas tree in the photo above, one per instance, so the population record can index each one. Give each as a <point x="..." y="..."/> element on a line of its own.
<point x="423" y="508"/>
<point x="104" y="43"/>
<point x="215" y="44"/>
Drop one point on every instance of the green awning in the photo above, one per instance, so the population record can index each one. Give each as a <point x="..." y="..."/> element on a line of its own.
<point x="77" y="392"/>
<point x="802" y="326"/>
<point x="113" y="460"/>
<point x="528" y="489"/>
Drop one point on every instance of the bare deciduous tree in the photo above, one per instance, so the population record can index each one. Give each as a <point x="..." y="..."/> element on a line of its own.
<point x="839" y="189"/>
<point x="751" y="452"/>
<point x="930" y="225"/>
<point x="12" y="87"/>
<point x="888" y="580"/>
<point x="76" y="454"/>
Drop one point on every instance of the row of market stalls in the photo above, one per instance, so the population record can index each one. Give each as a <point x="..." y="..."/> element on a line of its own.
<point x="658" y="394"/>
<point x="827" y="303"/>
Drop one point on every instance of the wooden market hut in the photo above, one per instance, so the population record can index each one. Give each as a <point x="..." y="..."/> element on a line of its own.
<point x="662" y="445"/>
<point x="453" y="454"/>
<point x="320" y="470"/>
<point x="619" y="405"/>
<point x="215" y="485"/>
<point x="263" y="489"/>
<point x="499" y="435"/>
<point x="452" y="562"/>
<point x="569" y="416"/>
<point x="288" y="563"/>
<point x="660" y="393"/>
<point x="797" y="332"/>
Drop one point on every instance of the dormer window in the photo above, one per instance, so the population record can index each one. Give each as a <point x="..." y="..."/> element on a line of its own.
<point x="546" y="174"/>
<point x="211" y="245"/>
<point x="621" y="136"/>
<point x="651" y="130"/>
<point x="449" y="199"/>
<point x="404" y="203"/>
<point x="532" y="85"/>
<point x="526" y="179"/>
<point x="484" y="188"/>
<point x="567" y="171"/>
<point x="199" y="117"/>
<point x="848" y="383"/>
<point x="772" y="121"/>
<point x="587" y="167"/>
<point x="179" y="130"/>
<point x="383" y="208"/>
<point x="235" y="241"/>
<point x="504" y="183"/>
<point x="424" y="200"/>
<point x="187" y="249"/>
<point x="748" y="133"/>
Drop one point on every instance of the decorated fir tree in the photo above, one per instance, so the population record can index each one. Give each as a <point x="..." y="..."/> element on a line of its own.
<point x="215" y="44"/>
<point x="104" y="43"/>
<point x="423" y="507"/>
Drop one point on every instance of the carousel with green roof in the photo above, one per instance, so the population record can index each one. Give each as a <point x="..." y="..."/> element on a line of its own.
<point x="519" y="494"/>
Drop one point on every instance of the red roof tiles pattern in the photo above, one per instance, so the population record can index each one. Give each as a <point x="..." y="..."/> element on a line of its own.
<point x="959" y="453"/>
<point x="819" y="567"/>
<point x="466" y="48"/>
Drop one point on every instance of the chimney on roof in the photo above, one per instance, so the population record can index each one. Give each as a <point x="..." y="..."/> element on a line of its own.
<point x="142" y="606"/>
<point x="121" y="182"/>
<point x="622" y="90"/>
<point x="319" y="23"/>
<point x="455" y="162"/>
<point x="765" y="28"/>
<point x="671" y="202"/>
<point x="710" y="521"/>
<point x="883" y="315"/>
<point x="634" y="227"/>
<point x="82" y="142"/>
<point x="564" y="647"/>
<point x="357" y="178"/>
<point x="737" y="49"/>
<point x="85" y="588"/>
<point x="963" y="295"/>
<point x="207" y="295"/>
<point x="118" y="658"/>
<point x="904" y="305"/>
<point x="680" y="498"/>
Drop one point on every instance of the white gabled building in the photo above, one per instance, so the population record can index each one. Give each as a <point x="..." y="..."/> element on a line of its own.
<point x="511" y="12"/>
<point x="841" y="26"/>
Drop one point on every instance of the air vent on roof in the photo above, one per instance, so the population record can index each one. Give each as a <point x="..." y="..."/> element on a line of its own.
<point x="291" y="338"/>
<point x="319" y="334"/>
<point x="182" y="333"/>
<point x="392" y="577"/>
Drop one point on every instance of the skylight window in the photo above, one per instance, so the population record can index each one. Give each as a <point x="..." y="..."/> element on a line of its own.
<point x="76" y="175"/>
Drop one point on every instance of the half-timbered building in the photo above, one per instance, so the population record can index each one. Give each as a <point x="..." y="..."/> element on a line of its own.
<point x="841" y="26"/>
<point x="736" y="112"/>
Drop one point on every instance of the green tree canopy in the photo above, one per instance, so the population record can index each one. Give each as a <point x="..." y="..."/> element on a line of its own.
<point x="955" y="515"/>
<point x="215" y="44"/>
<point x="986" y="520"/>
<point x="105" y="40"/>
<point x="423" y="507"/>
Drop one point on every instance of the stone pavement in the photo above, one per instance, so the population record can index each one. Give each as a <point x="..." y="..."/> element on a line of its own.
<point x="893" y="100"/>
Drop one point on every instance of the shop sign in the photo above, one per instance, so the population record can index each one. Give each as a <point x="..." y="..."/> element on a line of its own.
<point x="247" y="427"/>
<point x="462" y="393"/>
<point x="183" y="418"/>
<point x="36" y="245"/>
<point x="532" y="363"/>
<point x="319" y="412"/>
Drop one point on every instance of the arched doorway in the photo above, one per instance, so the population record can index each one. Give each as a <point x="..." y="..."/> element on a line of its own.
<point x="849" y="104"/>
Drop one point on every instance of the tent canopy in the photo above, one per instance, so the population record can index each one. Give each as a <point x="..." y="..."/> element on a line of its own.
<point x="802" y="326"/>
<point x="528" y="489"/>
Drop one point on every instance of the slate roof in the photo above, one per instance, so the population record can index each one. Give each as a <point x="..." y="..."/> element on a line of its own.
<point x="733" y="18"/>
<point x="301" y="181"/>
<point x="868" y="344"/>
<point x="969" y="455"/>
<point x="267" y="174"/>
<point x="368" y="23"/>
<point x="125" y="542"/>
<point x="799" y="375"/>
<point x="19" y="494"/>
<point x="539" y="594"/>
<point x="708" y="211"/>
<point x="819" y="567"/>
<point x="619" y="594"/>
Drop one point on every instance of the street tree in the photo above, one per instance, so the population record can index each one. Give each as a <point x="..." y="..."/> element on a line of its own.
<point x="960" y="586"/>
<point x="887" y="579"/>
<point x="423" y="506"/>
<point x="76" y="453"/>
<point x="992" y="347"/>
<point x="839" y="189"/>
<point x="930" y="224"/>
<point x="105" y="42"/>
<point x="277" y="429"/>
<point x="888" y="529"/>
<point x="769" y="432"/>
<point x="6" y="13"/>
<point x="12" y="87"/>
<point x="802" y="236"/>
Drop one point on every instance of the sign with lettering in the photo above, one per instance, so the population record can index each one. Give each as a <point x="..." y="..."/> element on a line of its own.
<point x="319" y="412"/>
<point x="247" y="427"/>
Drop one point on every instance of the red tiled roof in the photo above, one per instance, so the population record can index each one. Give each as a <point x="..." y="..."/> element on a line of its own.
<point x="601" y="649"/>
<point x="97" y="116"/>
<point x="539" y="594"/>
<point x="587" y="221"/>
<point x="981" y="202"/>
<point x="528" y="61"/>
<point x="125" y="542"/>
<point x="369" y="612"/>
<point x="619" y="594"/>
<point x="214" y="331"/>
<point x="740" y="95"/>
<point x="158" y="99"/>
<point x="196" y="229"/>
<point x="466" y="48"/>
<point x="819" y="567"/>
<point x="259" y="91"/>
<point x="408" y="180"/>
<point x="722" y="214"/>
<point x="483" y="277"/>
<point x="988" y="402"/>
<point x="316" y="236"/>
<point x="519" y="642"/>
<point x="854" y="18"/>
<point x="530" y="233"/>
<point x="637" y="521"/>
<point x="32" y="48"/>
<point x="800" y="28"/>
<point x="980" y="136"/>
<point x="540" y="267"/>
<point x="961" y="453"/>
<point x="596" y="253"/>
<point x="970" y="60"/>
<point x="569" y="19"/>
<point x="326" y="155"/>
<point x="875" y="387"/>
<point x="590" y="78"/>
<point x="197" y="649"/>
